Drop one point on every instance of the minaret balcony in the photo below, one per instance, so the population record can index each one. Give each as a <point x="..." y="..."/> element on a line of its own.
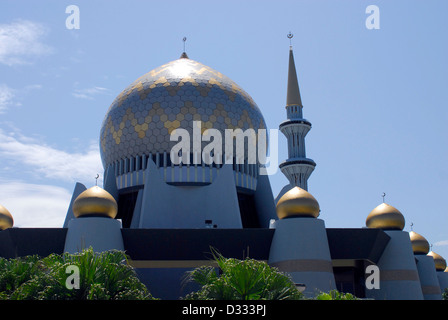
<point x="297" y="161"/>
<point x="290" y="127"/>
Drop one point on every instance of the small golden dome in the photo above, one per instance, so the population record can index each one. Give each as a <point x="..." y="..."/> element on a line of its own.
<point x="6" y="220"/>
<point x="95" y="202"/>
<point x="385" y="217"/>
<point x="297" y="202"/>
<point x="438" y="261"/>
<point x="419" y="244"/>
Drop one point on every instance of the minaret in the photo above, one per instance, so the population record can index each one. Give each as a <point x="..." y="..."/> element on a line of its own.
<point x="297" y="168"/>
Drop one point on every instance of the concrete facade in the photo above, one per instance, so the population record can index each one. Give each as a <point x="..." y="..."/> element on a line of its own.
<point x="428" y="277"/>
<point x="300" y="248"/>
<point x="399" y="279"/>
<point x="102" y="234"/>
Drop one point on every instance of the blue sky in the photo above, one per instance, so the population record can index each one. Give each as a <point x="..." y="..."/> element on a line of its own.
<point x="377" y="99"/>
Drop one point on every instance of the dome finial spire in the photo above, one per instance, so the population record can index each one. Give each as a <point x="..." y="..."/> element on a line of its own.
<point x="184" y="53"/>
<point x="290" y="36"/>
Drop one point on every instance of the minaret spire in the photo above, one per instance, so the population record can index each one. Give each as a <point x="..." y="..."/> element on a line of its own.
<point x="297" y="168"/>
<point x="293" y="93"/>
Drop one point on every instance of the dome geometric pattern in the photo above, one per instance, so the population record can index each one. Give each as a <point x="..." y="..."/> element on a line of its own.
<point x="142" y="117"/>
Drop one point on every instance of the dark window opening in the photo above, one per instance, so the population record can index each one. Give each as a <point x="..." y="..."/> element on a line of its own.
<point x="249" y="217"/>
<point x="126" y="205"/>
<point x="351" y="279"/>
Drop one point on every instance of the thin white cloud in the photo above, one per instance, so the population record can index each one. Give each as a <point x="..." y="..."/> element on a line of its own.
<point x="441" y="243"/>
<point x="32" y="87"/>
<point x="89" y="93"/>
<point x="12" y="97"/>
<point x="34" y="205"/>
<point x="51" y="162"/>
<point x="22" y="41"/>
<point x="6" y="97"/>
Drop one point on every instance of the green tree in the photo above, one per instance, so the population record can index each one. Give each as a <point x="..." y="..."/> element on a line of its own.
<point x="102" y="276"/>
<point x="15" y="272"/>
<point x="246" y="279"/>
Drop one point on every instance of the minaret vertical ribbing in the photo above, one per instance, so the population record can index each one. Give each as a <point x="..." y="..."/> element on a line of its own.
<point x="297" y="168"/>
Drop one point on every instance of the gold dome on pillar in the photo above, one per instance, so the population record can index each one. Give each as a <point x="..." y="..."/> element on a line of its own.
<point x="297" y="202"/>
<point x="438" y="261"/>
<point x="6" y="220"/>
<point x="95" y="202"/>
<point x="419" y="244"/>
<point x="385" y="217"/>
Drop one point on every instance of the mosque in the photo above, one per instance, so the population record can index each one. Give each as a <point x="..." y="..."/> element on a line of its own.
<point x="167" y="215"/>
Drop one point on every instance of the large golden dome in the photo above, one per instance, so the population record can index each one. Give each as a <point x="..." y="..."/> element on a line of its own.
<point x="297" y="202"/>
<point x="6" y="220"/>
<point x="142" y="117"/>
<point x="438" y="261"/>
<point x="419" y="244"/>
<point x="95" y="202"/>
<point x="385" y="217"/>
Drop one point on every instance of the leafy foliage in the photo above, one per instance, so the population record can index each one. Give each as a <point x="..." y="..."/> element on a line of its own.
<point x="445" y="294"/>
<point x="103" y="276"/>
<point x="108" y="276"/>
<point x="335" y="295"/>
<point x="246" y="279"/>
